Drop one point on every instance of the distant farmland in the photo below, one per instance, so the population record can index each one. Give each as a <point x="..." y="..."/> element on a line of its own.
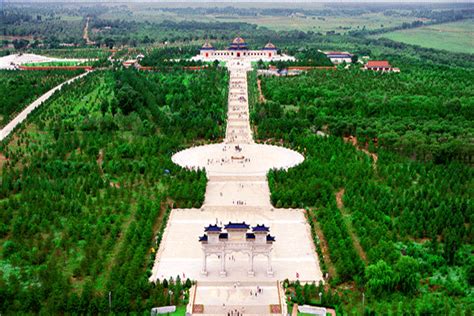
<point x="337" y="21"/>
<point x="454" y="37"/>
<point x="339" y="24"/>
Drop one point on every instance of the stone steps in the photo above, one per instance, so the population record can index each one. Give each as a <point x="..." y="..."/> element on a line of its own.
<point x="249" y="310"/>
<point x="237" y="208"/>
<point x="241" y="283"/>
<point x="235" y="296"/>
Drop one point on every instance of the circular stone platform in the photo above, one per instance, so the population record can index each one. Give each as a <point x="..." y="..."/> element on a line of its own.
<point x="242" y="160"/>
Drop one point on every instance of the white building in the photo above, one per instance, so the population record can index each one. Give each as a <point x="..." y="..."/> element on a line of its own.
<point x="339" y="57"/>
<point x="239" y="49"/>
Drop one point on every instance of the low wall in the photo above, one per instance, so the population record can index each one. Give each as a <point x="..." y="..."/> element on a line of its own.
<point x="311" y="68"/>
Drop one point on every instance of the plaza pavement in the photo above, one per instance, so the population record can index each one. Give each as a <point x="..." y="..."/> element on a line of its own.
<point x="293" y="251"/>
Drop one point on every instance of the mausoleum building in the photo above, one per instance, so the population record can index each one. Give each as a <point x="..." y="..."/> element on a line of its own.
<point x="238" y="48"/>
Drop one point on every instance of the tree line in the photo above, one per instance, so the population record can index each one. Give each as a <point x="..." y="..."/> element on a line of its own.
<point x="410" y="213"/>
<point x="19" y="88"/>
<point x="423" y="112"/>
<point x="87" y="185"/>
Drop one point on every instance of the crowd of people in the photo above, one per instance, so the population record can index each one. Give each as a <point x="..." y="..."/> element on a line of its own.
<point x="240" y="311"/>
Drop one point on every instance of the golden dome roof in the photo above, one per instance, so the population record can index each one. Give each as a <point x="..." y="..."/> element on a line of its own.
<point x="270" y="46"/>
<point x="238" y="40"/>
<point x="207" y="45"/>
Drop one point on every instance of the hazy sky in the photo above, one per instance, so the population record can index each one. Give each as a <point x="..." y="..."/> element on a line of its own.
<point x="248" y="1"/>
<point x="309" y="1"/>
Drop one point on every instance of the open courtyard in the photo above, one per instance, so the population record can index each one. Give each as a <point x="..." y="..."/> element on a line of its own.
<point x="293" y="251"/>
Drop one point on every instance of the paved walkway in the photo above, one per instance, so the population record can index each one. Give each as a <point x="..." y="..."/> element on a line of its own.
<point x="24" y="114"/>
<point x="237" y="190"/>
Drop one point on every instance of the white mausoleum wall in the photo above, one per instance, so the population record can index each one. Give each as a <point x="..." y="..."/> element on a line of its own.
<point x="250" y="55"/>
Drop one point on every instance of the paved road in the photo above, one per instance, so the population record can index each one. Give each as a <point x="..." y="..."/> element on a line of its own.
<point x="24" y="114"/>
<point x="15" y="60"/>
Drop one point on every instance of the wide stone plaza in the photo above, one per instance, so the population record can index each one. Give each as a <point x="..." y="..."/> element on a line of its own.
<point x="237" y="191"/>
<point x="293" y="251"/>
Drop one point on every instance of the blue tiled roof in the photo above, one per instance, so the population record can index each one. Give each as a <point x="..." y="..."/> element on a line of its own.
<point x="238" y="44"/>
<point x="237" y="226"/>
<point x="203" y="238"/>
<point x="270" y="238"/>
<point x="223" y="236"/>
<point x="260" y="228"/>
<point x="213" y="228"/>
<point x="239" y="47"/>
<point x="250" y="236"/>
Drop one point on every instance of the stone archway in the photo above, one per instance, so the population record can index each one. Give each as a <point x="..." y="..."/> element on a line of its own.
<point x="269" y="261"/>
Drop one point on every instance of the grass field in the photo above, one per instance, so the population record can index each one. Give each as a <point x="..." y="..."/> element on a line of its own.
<point x="180" y="311"/>
<point x="454" y="37"/>
<point x="339" y="24"/>
<point x="324" y="23"/>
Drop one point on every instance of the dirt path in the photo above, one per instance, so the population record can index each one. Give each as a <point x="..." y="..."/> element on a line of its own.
<point x="347" y="220"/>
<point x="353" y="141"/>
<point x="99" y="161"/>
<point x="261" y="97"/>
<point x="339" y="195"/>
<point x="86" y="33"/>
<point x="3" y="160"/>
<point x="324" y="249"/>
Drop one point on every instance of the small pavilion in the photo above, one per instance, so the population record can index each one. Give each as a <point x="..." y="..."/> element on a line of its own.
<point x="237" y="237"/>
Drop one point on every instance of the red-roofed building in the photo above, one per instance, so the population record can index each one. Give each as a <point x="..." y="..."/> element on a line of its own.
<point x="380" y="65"/>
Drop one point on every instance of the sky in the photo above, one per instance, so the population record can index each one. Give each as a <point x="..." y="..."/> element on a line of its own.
<point x="248" y="1"/>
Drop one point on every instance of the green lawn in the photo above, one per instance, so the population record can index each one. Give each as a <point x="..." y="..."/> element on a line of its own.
<point x="454" y="37"/>
<point x="180" y="311"/>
